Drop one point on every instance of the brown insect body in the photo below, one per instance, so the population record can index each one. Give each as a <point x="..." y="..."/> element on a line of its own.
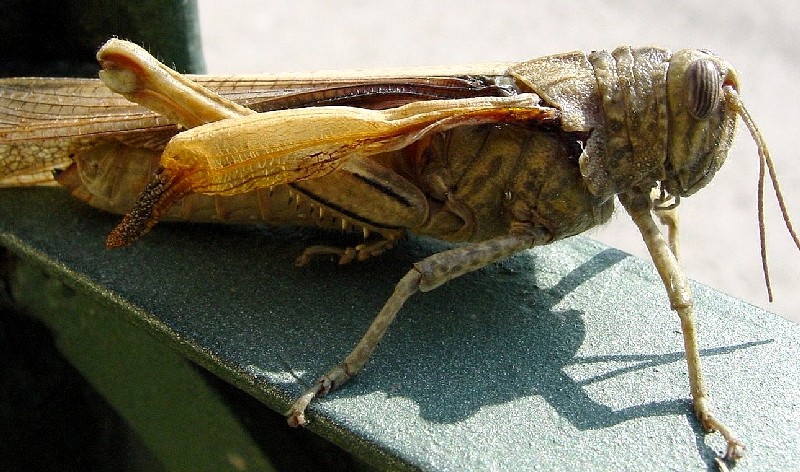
<point x="487" y="169"/>
<point x="460" y="185"/>
<point x="503" y="156"/>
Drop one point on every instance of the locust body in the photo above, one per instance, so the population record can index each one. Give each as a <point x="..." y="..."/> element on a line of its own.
<point x="487" y="167"/>
<point x="502" y="157"/>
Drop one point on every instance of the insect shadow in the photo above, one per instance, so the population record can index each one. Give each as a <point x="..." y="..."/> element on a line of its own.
<point x="483" y="339"/>
<point x="456" y="353"/>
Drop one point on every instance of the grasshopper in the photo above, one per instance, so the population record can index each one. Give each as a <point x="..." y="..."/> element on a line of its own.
<point x="500" y="157"/>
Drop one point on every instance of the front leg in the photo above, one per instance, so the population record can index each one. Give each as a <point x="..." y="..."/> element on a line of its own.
<point x="639" y="206"/>
<point x="426" y="275"/>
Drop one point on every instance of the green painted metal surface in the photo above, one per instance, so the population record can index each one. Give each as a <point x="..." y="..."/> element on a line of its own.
<point x="564" y="357"/>
<point x="163" y="397"/>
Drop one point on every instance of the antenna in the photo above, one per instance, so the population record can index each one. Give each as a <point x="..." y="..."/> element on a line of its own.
<point x="765" y="162"/>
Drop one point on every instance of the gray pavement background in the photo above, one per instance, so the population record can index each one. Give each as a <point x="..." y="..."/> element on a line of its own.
<point x="719" y="232"/>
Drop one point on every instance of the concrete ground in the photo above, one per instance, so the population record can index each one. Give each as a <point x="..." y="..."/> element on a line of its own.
<point x="719" y="231"/>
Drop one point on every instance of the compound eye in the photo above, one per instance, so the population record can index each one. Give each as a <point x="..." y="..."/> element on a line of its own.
<point x="703" y="87"/>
